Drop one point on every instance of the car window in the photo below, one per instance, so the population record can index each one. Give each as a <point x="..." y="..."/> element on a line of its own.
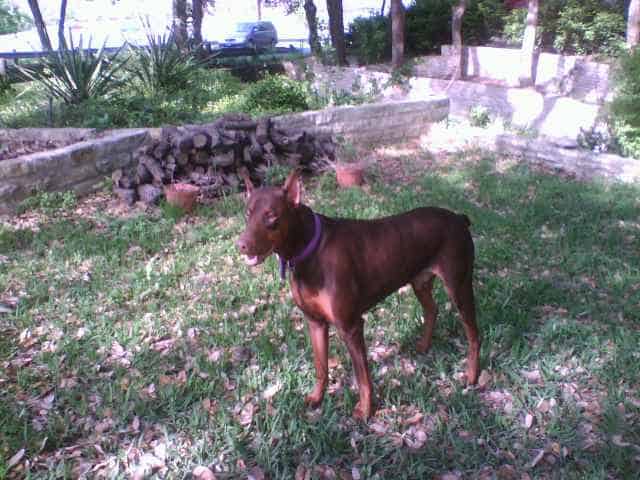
<point x="244" y="27"/>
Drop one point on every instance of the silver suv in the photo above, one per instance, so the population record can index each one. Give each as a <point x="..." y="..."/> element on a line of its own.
<point x="253" y="35"/>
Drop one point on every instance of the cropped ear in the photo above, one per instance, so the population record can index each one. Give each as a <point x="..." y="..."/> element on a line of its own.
<point x="244" y="174"/>
<point x="292" y="188"/>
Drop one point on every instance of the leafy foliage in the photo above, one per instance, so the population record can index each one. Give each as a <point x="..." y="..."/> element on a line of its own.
<point x="371" y="38"/>
<point x="482" y="20"/>
<point x="585" y="27"/>
<point x="11" y="19"/>
<point x="626" y="114"/>
<point x="160" y="66"/>
<point x="75" y="74"/>
<point x="276" y="93"/>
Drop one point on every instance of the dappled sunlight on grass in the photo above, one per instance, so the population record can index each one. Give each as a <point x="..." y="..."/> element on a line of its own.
<point x="139" y="342"/>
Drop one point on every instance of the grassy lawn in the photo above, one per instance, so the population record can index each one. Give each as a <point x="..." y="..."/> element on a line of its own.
<point x="141" y="341"/>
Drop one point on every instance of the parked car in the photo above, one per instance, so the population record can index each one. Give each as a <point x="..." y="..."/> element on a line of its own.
<point x="252" y="35"/>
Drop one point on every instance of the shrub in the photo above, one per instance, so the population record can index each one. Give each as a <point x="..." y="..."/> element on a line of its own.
<point x="5" y="86"/>
<point x="585" y="28"/>
<point x="479" y="116"/>
<point x="483" y="20"/>
<point x="371" y="39"/>
<point x="74" y="74"/>
<point x="626" y="114"/>
<point x="276" y="93"/>
<point x="12" y="20"/>
<point x="428" y="25"/>
<point x="160" y="66"/>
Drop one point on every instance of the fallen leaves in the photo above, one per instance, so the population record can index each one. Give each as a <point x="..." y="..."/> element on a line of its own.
<point x="202" y="473"/>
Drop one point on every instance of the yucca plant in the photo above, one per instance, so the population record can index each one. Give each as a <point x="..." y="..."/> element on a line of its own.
<point x="75" y="74"/>
<point x="160" y="66"/>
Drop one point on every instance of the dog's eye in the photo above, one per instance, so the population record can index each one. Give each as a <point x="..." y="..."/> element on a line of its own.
<point x="271" y="222"/>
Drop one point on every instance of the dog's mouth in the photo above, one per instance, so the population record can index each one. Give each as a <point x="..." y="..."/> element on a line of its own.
<point x="253" y="260"/>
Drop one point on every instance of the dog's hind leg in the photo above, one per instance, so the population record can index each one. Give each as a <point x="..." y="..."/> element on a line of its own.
<point x="422" y="287"/>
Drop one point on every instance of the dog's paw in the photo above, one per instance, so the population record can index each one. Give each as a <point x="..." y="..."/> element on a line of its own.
<point x="313" y="400"/>
<point x="361" y="412"/>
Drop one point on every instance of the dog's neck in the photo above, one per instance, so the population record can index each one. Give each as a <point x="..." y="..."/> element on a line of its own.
<point x="300" y="234"/>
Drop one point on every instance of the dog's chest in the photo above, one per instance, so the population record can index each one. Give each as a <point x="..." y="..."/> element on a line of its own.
<point x="316" y="303"/>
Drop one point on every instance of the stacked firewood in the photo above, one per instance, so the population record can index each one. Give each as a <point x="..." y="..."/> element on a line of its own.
<point x="212" y="156"/>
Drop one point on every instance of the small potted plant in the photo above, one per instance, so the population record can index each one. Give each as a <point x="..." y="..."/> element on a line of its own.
<point x="350" y="168"/>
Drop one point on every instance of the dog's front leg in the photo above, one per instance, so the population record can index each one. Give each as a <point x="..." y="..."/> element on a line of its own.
<point x="353" y="336"/>
<point x="319" y="333"/>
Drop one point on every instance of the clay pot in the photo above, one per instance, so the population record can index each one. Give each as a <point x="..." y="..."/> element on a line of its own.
<point x="182" y="195"/>
<point x="350" y="175"/>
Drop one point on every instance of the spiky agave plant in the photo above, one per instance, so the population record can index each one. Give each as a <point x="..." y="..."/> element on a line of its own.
<point x="74" y="74"/>
<point x="160" y="66"/>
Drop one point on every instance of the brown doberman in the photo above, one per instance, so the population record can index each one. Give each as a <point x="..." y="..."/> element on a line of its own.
<point x="341" y="268"/>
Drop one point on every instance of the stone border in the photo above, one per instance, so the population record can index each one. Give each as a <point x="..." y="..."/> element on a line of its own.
<point x="80" y="167"/>
<point x="581" y="163"/>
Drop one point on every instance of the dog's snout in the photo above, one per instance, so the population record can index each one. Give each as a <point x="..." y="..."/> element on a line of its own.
<point x="241" y="243"/>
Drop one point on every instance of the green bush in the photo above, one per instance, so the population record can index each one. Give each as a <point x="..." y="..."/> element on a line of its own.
<point x="479" y="116"/>
<point x="483" y="20"/>
<point x="276" y="93"/>
<point x="371" y="39"/>
<point x="75" y="74"/>
<point x="428" y="25"/>
<point x="584" y="27"/>
<point x="5" y="87"/>
<point x="626" y="114"/>
<point x="12" y="20"/>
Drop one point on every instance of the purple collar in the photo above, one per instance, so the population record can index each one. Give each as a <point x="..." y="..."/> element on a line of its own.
<point x="308" y="250"/>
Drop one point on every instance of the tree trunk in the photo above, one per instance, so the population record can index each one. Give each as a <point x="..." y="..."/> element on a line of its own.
<point x="456" y="36"/>
<point x="310" y="11"/>
<point x="384" y="4"/>
<point x="529" y="44"/>
<point x="197" y="12"/>
<point x="259" y="6"/>
<point x="40" y="26"/>
<point x="397" y="33"/>
<point x="180" y="23"/>
<point x="336" y="30"/>
<point x="62" y="43"/>
<point x="633" y="24"/>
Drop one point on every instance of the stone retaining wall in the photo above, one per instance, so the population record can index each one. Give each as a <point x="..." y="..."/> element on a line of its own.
<point x="80" y="167"/>
<point x="582" y="163"/>
<point x="380" y="122"/>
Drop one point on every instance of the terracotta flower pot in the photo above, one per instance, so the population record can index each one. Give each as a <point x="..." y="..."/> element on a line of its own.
<point x="350" y="175"/>
<point x="182" y="195"/>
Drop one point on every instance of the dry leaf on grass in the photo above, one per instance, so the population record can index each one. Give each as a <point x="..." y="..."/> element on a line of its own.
<point x="256" y="473"/>
<point x="16" y="459"/>
<point x="203" y="473"/>
<point x="484" y="379"/>
<point x="528" y="421"/>
<point x="271" y="390"/>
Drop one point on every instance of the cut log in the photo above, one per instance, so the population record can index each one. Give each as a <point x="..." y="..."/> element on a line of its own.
<point x="160" y="150"/>
<point x="268" y="147"/>
<point x="262" y="129"/>
<point x="154" y="168"/>
<point x="201" y="158"/>
<point x="182" y="159"/>
<point x="201" y="140"/>
<point x="143" y="175"/>
<point x="116" y="175"/>
<point x="128" y="196"/>
<point x="184" y="144"/>
<point x="246" y="155"/>
<point x="240" y="125"/>
<point x="223" y="160"/>
<point x="149" y="193"/>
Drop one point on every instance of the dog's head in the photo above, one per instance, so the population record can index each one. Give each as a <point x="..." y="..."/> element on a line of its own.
<point x="269" y="213"/>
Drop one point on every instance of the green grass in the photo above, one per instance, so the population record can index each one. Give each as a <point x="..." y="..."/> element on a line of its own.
<point x="108" y="305"/>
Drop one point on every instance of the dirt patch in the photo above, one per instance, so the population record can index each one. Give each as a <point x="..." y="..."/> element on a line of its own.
<point x="14" y="148"/>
